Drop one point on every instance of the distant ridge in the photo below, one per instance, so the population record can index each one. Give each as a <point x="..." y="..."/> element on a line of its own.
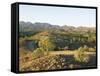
<point x="38" y="26"/>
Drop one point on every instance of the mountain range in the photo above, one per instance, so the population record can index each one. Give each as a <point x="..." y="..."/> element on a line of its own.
<point x="37" y="26"/>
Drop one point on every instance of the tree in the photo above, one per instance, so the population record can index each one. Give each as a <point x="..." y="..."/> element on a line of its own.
<point x="46" y="43"/>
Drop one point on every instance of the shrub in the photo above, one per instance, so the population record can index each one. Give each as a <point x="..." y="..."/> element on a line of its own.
<point x="38" y="53"/>
<point x="85" y="48"/>
<point x="46" y="43"/>
<point x="21" y="42"/>
<point x="92" y="49"/>
<point x="81" y="56"/>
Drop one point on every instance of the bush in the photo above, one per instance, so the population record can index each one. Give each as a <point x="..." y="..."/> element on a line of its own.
<point x="92" y="49"/>
<point x="38" y="53"/>
<point x="21" y="42"/>
<point x="46" y="43"/>
<point x="85" y="48"/>
<point x="81" y="56"/>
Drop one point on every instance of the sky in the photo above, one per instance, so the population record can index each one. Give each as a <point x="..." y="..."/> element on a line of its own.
<point x="58" y="15"/>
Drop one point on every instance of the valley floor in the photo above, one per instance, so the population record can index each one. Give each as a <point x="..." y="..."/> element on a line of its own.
<point x="56" y="60"/>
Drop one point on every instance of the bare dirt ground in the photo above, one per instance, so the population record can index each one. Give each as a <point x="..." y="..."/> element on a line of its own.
<point x="67" y="52"/>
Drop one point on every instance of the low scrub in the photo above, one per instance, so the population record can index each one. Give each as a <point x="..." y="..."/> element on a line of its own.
<point x="81" y="56"/>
